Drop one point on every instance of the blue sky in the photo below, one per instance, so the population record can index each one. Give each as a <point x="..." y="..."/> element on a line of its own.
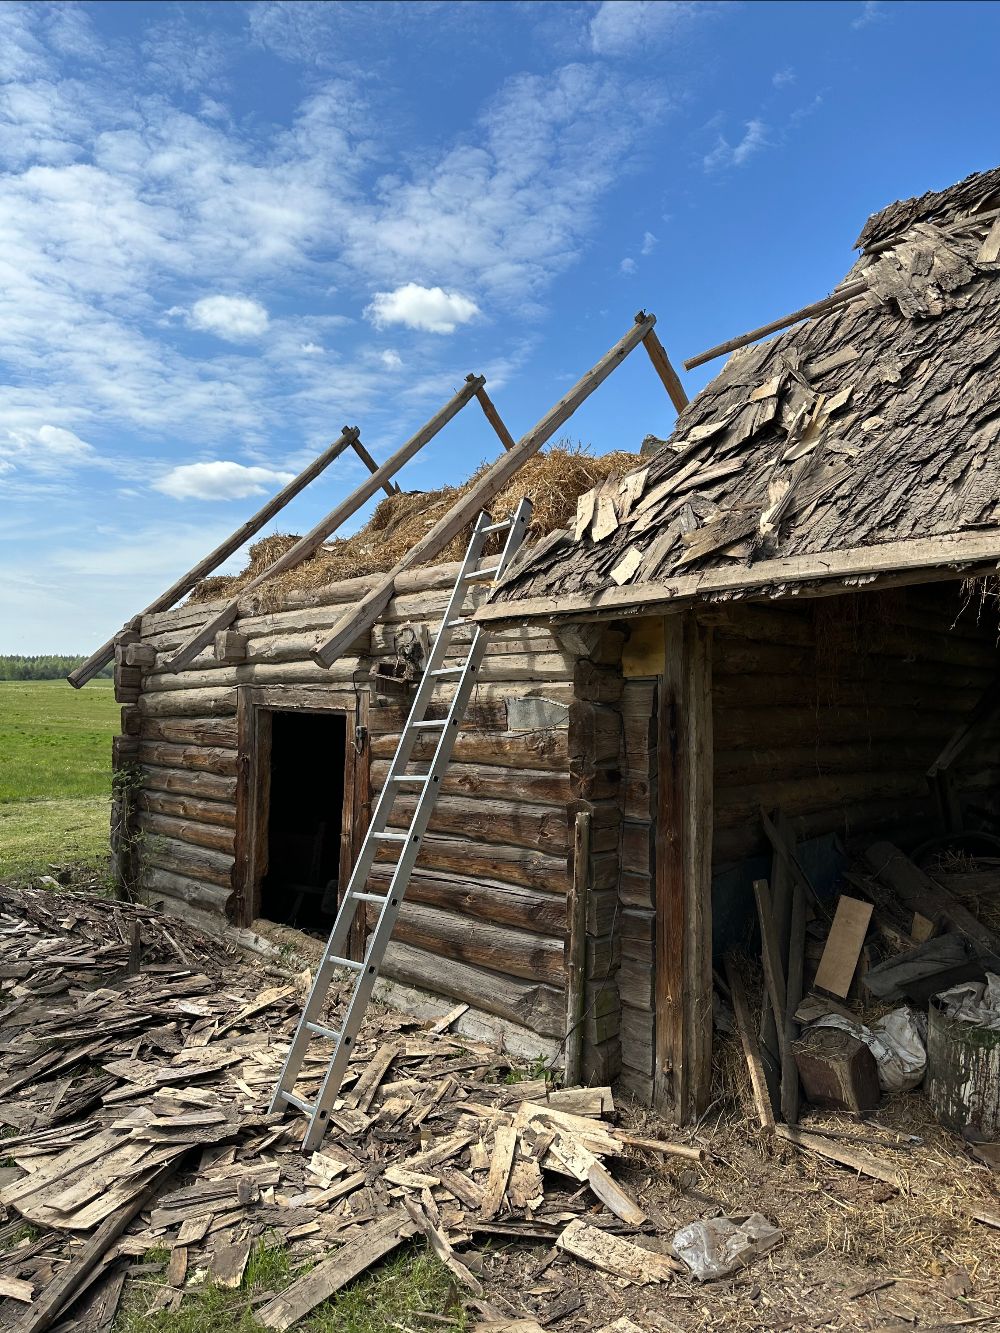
<point x="228" y="229"/>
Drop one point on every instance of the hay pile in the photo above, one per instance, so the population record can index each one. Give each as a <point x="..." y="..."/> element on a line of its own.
<point x="552" y="481"/>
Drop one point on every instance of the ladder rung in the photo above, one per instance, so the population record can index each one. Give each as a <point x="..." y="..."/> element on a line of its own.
<point x="411" y="777"/>
<point x="442" y="723"/>
<point x="369" y="897"/>
<point x="306" y="1107"/>
<point x="390" y="837"/>
<point x="318" y="1030"/>
<point x="450" y="671"/>
<point x="487" y="573"/>
<point x="343" y="962"/>
<point x="496" y="527"/>
<point x="454" y="624"/>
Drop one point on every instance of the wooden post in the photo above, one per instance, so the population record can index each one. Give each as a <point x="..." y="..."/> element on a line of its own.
<point x="683" y="1049"/>
<point x="233" y="542"/>
<point x="390" y="487"/>
<point x="495" y="419"/>
<point x="661" y="364"/>
<point x="305" y="546"/>
<point x="576" y="953"/>
<point x="464" y="510"/>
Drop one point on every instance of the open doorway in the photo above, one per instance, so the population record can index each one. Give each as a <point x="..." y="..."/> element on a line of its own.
<point x="305" y="819"/>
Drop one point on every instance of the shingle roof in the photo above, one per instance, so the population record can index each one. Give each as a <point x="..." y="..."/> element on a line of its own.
<point x="874" y="424"/>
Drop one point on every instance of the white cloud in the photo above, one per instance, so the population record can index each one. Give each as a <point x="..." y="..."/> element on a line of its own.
<point x="627" y="266"/>
<point x="649" y="242"/>
<point x="871" y="12"/>
<point x="235" y="318"/>
<point x="725" y="154"/>
<point x="391" y="359"/>
<point x="431" y="309"/>
<point x="220" y="481"/>
<point x="782" y="78"/>
<point x="42" y="449"/>
<point x="624" y="27"/>
<point x="311" y="349"/>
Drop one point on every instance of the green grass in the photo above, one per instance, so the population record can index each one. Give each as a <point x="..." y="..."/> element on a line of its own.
<point x="393" y="1294"/>
<point x="55" y="773"/>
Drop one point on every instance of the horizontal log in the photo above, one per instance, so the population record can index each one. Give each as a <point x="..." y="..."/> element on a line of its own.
<point x="546" y="750"/>
<point x="508" y="822"/>
<point x="205" y="703"/>
<point x="221" y="813"/>
<point x="735" y="768"/>
<point x="739" y="805"/>
<point x="512" y="953"/>
<point x="485" y="900"/>
<point x="200" y="758"/>
<point x="892" y="692"/>
<point x="198" y="863"/>
<point x="735" y="727"/>
<point x="220" y="732"/>
<point x="825" y="668"/>
<point x="209" y="786"/>
<point x="249" y="673"/>
<point x="208" y="897"/>
<point x="489" y="712"/>
<point x="525" y="639"/>
<point x="512" y="865"/>
<point x="539" y="1008"/>
<point x="187" y="830"/>
<point x="492" y="783"/>
<point x="637" y="1039"/>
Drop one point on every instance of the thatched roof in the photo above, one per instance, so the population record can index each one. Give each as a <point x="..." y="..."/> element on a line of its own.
<point x="862" y="441"/>
<point x="552" y="480"/>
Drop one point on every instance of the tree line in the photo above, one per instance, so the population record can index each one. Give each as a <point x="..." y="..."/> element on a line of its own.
<point x="42" y="666"/>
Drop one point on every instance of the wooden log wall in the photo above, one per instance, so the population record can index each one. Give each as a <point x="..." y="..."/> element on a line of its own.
<point x="833" y="710"/>
<point x="485" y="916"/>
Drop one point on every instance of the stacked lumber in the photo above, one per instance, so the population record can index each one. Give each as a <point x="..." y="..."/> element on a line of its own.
<point x="137" y="1065"/>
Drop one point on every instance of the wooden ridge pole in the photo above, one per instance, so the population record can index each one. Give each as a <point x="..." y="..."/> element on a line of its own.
<point x="464" y="510"/>
<point x="305" y="546"/>
<point x="840" y="297"/>
<point x="87" y="670"/>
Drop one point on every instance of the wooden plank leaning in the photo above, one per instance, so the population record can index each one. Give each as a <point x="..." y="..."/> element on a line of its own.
<point x="306" y="545"/>
<point x="94" y="663"/>
<point x="464" y="510"/>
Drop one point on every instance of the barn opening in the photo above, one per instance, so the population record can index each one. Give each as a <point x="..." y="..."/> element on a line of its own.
<point x="305" y="819"/>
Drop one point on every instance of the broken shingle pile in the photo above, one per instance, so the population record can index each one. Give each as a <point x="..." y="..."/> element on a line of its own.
<point x="137" y="1062"/>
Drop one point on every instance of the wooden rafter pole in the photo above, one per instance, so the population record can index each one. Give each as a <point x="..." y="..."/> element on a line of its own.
<point x="306" y="545"/>
<point x="661" y="364"/>
<point x="465" y="509"/>
<point x="389" y="487"/>
<point x="495" y="419"/>
<point x="204" y="567"/>
<point x="838" y="298"/>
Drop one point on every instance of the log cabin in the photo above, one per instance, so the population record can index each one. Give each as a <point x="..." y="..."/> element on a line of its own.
<point x="788" y="606"/>
<point x="802" y="581"/>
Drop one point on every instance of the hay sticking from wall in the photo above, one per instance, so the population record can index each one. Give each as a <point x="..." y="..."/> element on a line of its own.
<point x="552" y="480"/>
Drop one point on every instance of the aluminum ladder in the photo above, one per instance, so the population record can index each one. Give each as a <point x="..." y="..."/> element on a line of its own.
<point x="408" y="842"/>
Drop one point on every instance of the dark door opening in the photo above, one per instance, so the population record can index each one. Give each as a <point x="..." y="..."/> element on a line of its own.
<point x="305" y="819"/>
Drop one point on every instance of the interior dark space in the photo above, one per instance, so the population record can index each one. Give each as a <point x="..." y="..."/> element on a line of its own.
<point x="305" y="819"/>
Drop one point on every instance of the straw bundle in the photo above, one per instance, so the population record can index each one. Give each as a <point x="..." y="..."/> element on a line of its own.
<point x="553" y="481"/>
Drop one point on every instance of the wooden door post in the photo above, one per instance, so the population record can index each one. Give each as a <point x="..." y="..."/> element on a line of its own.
<point x="683" y="1050"/>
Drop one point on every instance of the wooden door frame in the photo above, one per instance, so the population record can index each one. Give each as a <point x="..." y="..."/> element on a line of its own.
<point x="255" y="706"/>
<point x="682" y="1070"/>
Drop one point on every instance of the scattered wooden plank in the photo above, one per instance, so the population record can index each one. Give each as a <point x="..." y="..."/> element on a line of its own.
<point x="661" y="1146"/>
<point x="843" y="946"/>
<point x="614" y="1196"/>
<point x="229" y="1263"/>
<point x="441" y="1246"/>
<point x="505" y="1142"/>
<point x="376" y="1240"/>
<point x="17" y="1289"/>
<point x="446" y="1020"/>
<point x="614" y="1255"/>
<point x="855" y="1158"/>
<point x="177" y="1267"/>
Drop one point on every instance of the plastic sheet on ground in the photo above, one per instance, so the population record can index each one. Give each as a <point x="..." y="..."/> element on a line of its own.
<point x="721" y="1245"/>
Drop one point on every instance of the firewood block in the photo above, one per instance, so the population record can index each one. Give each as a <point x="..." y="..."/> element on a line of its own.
<point x="838" y="1072"/>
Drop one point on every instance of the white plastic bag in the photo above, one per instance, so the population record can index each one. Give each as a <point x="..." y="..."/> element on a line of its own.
<point x="721" y="1245"/>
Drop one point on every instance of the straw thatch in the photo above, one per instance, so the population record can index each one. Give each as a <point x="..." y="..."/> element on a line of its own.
<point x="552" y="480"/>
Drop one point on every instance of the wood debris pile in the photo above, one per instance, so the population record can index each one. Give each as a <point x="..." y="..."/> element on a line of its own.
<point x="137" y="1064"/>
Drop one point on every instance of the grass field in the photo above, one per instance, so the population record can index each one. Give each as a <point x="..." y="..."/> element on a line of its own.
<point x="55" y="772"/>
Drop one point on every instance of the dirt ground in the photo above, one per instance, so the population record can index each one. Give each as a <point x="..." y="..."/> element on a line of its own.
<point x="856" y="1252"/>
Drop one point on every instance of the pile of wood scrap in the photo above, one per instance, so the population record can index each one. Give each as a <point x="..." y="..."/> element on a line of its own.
<point x="137" y="1063"/>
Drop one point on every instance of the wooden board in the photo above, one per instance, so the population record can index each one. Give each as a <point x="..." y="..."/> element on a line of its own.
<point x="843" y="946"/>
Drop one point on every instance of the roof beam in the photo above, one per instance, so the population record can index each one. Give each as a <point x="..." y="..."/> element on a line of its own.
<point x="465" y="509"/>
<point x="325" y="528"/>
<point x="233" y="542"/>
